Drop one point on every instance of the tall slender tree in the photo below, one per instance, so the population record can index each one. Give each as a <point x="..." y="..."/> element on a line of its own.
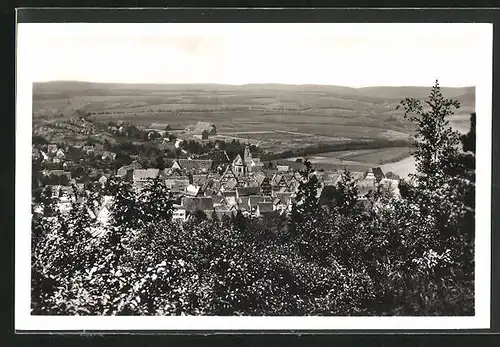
<point x="306" y="207"/>
<point x="436" y="143"/>
<point x="346" y="197"/>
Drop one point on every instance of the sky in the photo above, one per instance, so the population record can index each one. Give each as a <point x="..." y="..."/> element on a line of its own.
<point x="353" y="55"/>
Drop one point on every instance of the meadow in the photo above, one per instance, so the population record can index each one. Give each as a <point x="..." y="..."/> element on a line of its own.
<point x="363" y="159"/>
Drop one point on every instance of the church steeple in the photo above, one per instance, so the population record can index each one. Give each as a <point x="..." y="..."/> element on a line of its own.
<point x="247" y="156"/>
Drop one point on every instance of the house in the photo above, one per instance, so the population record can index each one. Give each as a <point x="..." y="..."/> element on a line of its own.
<point x="60" y="154"/>
<point x="101" y="214"/>
<point x="282" y="202"/>
<point x="264" y="208"/>
<point x="219" y="157"/>
<point x="194" y="166"/>
<point x="179" y="213"/>
<point x="391" y="186"/>
<point x="145" y="174"/>
<point x="192" y="204"/>
<point x="107" y="155"/>
<point x="201" y="134"/>
<point x="228" y="177"/>
<point x="181" y="182"/>
<point x="199" y="180"/>
<point x="293" y="182"/>
<point x="172" y="173"/>
<point x="176" y="166"/>
<point x="35" y="153"/>
<point x="229" y="186"/>
<point x="282" y="168"/>
<point x="211" y="187"/>
<point x="279" y="182"/>
<point x="214" y="176"/>
<point x="153" y="135"/>
<point x="264" y="183"/>
<point x="223" y="212"/>
<point x="142" y="176"/>
<point x="238" y="165"/>
<point x="81" y="124"/>
<point x="357" y="176"/>
<point x="365" y="187"/>
<point x="247" y="191"/>
<point x="68" y="165"/>
<point x="104" y="213"/>
<point x="192" y="190"/>
<point x="390" y="175"/>
<point x="125" y="172"/>
<point x="369" y="175"/>
<point x="64" y="205"/>
<point x="250" y="202"/>
<point x="51" y="148"/>
<point x="200" y="126"/>
<point x="88" y="149"/>
<point x="103" y="180"/>
<point x="45" y="157"/>
<point x="255" y="164"/>
<point x="250" y="182"/>
<point x="332" y="179"/>
<point x="230" y="198"/>
<point x="259" y="177"/>
<point x="62" y="191"/>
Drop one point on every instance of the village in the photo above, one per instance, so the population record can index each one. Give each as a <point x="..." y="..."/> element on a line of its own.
<point x="213" y="183"/>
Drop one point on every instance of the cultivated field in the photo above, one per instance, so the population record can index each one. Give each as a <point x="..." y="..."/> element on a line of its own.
<point x="276" y="117"/>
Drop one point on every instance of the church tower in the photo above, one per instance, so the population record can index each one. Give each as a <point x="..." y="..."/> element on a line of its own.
<point x="247" y="158"/>
<point x="247" y="155"/>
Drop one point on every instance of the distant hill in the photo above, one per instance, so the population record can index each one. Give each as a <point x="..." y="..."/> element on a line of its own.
<point x="295" y="115"/>
<point x="77" y="88"/>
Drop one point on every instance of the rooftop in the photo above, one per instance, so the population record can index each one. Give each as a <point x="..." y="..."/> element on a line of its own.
<point x="198" y="203"/>
<point x="265" y="207"/>
<point x="144" y="174"/>
<point x="246" y="191"/>
<point x="195" y="164"/>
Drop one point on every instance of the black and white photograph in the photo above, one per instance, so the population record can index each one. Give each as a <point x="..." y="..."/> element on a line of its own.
<point x="253" y="176"/>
